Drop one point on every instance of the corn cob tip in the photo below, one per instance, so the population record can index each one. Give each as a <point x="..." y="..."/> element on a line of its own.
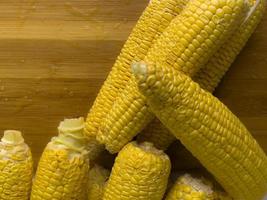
<point x="12" y="137"/>
<point x="139" y="69"/>
<point x="71" y="125"/>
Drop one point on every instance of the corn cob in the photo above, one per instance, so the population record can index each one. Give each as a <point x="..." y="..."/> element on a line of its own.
<point x="188" y="187"/>
<point x="64" y="166"/>
<point x="210" y="75"/>
<point x="187" y="44"/>
<point x="207" y="128"/>
<point x="140" y="172"/>
<point x="97" y="179"/>
<point x="16" y="167"/>
<point x="151" y="24"/>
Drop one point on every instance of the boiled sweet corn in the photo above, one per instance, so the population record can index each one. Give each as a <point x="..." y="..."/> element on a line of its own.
<point x="189" y="187"/>
<point x="140" y="172"/>
<point x="97" y="179"/>
<point x="64" y="166"/>
<point x="207" y="128"/>
<point x="210" y="75"/>
<point x="187" y="44"/>
<point x="152" y="23"/>
<point x="16" y="167"/>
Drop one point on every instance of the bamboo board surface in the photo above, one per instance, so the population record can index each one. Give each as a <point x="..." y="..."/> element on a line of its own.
<point x="55" y="54"/>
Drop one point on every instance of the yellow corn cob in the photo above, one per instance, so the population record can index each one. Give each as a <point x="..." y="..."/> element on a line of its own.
<point x="188" y="187"/>
<point x="140" y="172"/>
<point x="187" y="44"/>
<point x="97" y="179"/>
<point x="64" y="166"/>
<point x="210" y="75"/>
<point x="16" y="167"/>
<point x="151" y="24"/>
<point x="207" y="128"/>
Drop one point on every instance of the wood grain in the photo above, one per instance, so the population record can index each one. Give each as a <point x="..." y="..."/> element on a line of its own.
<point x="55" y="54"/>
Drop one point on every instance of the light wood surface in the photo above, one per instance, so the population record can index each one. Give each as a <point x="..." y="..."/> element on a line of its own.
<point x="55" y="54"/>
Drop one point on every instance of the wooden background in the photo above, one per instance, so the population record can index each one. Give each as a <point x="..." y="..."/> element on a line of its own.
<point x="55" y="54"/>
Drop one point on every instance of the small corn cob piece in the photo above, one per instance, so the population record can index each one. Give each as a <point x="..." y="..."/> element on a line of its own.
<point x="97" y="179"/>
<point x="210" y="75"/>
<point x="187" y="44"/>
<point x="206" y="127"/>
<point x="140" y="172"/>
<point x="188" y="187"/>
<point x="16" y="167"/>
<point x="64" y="166"/>
<point x="151" y="24"/>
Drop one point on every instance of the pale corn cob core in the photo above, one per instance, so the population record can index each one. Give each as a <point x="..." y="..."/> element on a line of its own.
<point x="64" y="166"/>
<point x="151" y="24"/>
<point x="140" y="172"/>
<point x="97" y="180"/>
<point x="16" y="167"/>
<point x="210" y="75"/>
<point x="189" y="187"/>
<point x="207" y="128"/>
<point x="187" y="44"/>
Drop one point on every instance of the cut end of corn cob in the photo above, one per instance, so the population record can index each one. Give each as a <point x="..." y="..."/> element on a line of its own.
<point x="149" y="147"/>
<point x="16" y="167"/>
<point x="71" y="125"/>
<point x="97" y="180"/>
<point x="98" y="174"/>
<point x="71" y="134"/>
<point x="13" y="147"/>
<point x="191" y="187"/>
<point x="12" y="137"/>
<point x="196" y="184"/>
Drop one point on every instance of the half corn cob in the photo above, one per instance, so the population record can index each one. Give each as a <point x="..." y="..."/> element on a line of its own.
<point x="210" y="75"/>
<point x="140" y="172"/>
<point x="189" y="187"/>
<point x="151" y="24"/>
<point x="64" y="166"/>
<point x="187" y="44"/>
<point x="16" y="167"/>
<point x="97" y="179"/>
<point x="207" y="128"/>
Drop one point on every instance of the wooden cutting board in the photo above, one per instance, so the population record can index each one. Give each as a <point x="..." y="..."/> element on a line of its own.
<point x="55" y="54"/>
